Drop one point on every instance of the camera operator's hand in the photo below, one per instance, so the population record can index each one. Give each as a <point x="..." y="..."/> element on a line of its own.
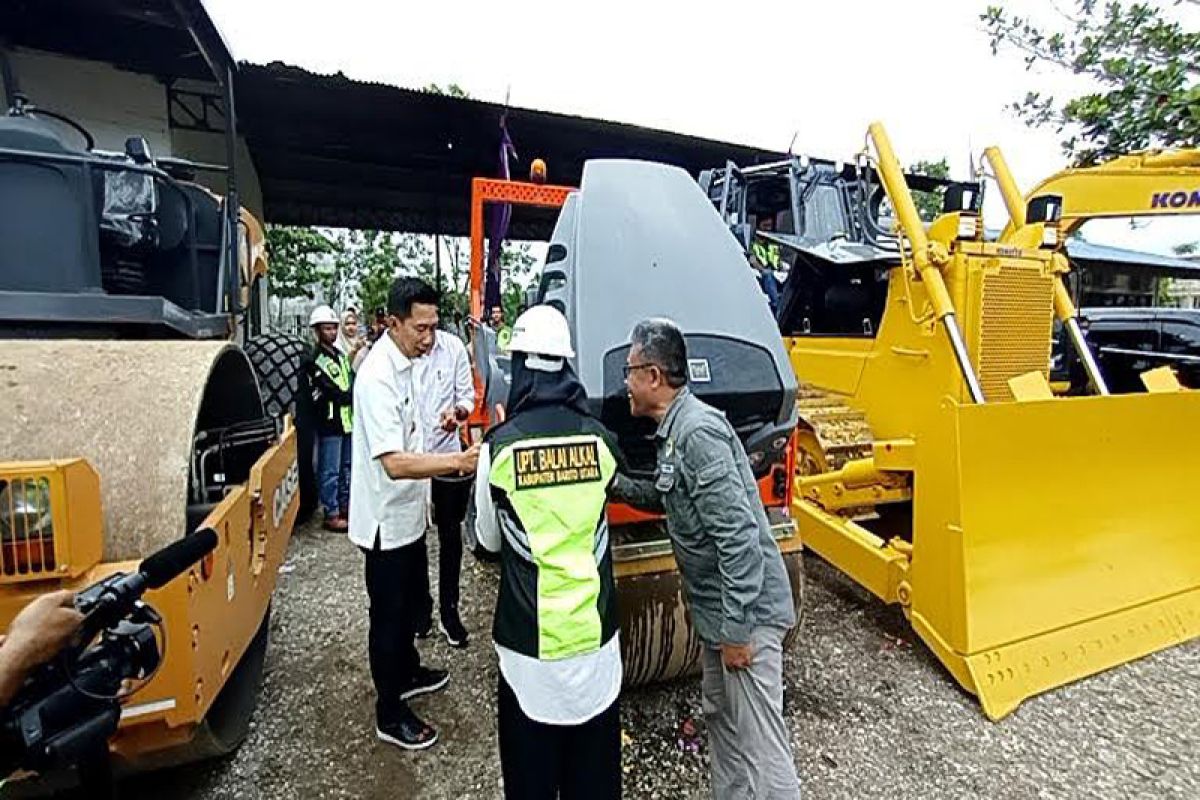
<point x="40" y="631"/>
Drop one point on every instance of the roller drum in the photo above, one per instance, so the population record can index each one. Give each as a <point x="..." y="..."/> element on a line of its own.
<point x="132" y="409"/>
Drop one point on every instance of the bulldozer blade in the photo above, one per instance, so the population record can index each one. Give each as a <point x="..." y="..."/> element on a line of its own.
<point x="1055" y="539"/>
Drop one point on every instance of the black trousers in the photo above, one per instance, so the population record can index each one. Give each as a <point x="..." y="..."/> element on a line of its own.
<point x="393" y="582"/>
<point x="449" y="509"/>
<point x="547" y="762"/>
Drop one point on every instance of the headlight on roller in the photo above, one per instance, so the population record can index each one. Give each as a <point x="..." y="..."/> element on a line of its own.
<point x="26" y="526"/>
<point x="25" y="509"/>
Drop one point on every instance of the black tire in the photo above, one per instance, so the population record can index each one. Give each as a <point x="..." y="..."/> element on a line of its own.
<point x="278" y="360"/>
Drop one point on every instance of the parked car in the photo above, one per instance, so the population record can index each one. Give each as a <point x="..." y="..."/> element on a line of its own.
<point x="1129" y="341"/>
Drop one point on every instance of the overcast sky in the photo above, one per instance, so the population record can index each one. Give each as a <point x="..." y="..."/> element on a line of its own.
<point x="754" y="73"/>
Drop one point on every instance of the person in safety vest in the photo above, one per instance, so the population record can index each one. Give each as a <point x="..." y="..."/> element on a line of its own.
<point x="764" y="257"/>
<point x="331" y="379"/>
<point x="503" y="332"/>
<point x="540" y="496"/>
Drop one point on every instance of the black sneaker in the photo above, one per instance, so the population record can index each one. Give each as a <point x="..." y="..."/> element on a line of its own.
<point x="426" y="681"/>
<point x="424" y="630"/>
<point x="407" y="731"/>
<point x="452" y="628"/>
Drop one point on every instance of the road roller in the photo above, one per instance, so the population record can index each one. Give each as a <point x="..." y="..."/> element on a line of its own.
<point x="143" y="400"/>
<point x="637" y="240"/>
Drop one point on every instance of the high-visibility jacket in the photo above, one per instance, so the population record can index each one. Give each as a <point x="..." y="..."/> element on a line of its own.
<point x="333" y="399"/>
<point x="766" y="254"/>
<point x="550" y="472"/>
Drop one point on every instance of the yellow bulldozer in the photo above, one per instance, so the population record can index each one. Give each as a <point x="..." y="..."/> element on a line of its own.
<point x="1030" y="539"/>
<point x="143" y="399"/>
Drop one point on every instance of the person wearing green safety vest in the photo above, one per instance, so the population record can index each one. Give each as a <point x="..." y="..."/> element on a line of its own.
<point x="331" y="380"/>
<point x="540" y="494"/>
<point x="766" y="254"/>
<point x="503" y="332"/>
<point x="764" y="257"/>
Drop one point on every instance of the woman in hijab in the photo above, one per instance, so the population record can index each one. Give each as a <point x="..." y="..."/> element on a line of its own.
<point x="348" y="340"/>
<point x="540" y="494"/>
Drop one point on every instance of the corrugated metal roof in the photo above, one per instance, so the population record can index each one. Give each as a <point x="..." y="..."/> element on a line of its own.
<point x="1084" y="251"/>
<point x="335" y="151"/>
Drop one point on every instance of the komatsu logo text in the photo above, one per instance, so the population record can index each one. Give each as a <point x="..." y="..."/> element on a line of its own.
<point x="1175" y="199"/>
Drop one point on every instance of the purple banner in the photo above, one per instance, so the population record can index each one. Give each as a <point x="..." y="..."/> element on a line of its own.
<point x="501" y="215"/>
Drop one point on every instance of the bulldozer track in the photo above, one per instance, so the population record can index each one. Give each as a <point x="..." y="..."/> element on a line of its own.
<point x="842" y="431"/>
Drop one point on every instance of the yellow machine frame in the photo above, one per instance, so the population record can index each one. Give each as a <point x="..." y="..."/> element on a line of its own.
<point x="210" y="614"/>
<point x="1050" y="538"/>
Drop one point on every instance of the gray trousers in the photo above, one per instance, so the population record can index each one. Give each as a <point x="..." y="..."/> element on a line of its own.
<point x="751" y="752"/>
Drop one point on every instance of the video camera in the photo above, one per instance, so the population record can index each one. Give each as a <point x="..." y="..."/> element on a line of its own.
<point x="68" y="709"/>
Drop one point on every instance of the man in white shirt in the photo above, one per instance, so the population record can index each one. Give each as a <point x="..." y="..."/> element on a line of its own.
<point x="389" y="493"/>
<point x="447" y="396"/>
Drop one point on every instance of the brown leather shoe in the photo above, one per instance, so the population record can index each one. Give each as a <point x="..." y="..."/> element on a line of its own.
<point x="336" y="524"/>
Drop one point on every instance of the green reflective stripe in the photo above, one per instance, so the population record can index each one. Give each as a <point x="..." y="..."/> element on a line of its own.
<point x="766" y="254"/>
<point x="340" y="373"/>
<point x="557" y="489"/>
<point x="337" y="369"/>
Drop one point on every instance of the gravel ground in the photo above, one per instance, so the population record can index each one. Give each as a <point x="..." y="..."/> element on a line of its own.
<point x="872" y="713"/>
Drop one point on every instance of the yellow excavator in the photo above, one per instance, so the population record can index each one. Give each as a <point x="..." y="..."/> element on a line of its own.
<point x="1030" y="539"/>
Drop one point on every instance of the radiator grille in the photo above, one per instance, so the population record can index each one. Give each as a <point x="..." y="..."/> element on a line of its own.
<point x="1014" y="327"/>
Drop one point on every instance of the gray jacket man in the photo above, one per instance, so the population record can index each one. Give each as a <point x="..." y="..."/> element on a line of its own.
<point x="736" y="583"/>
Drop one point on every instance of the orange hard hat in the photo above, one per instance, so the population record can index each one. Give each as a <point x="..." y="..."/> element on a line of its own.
<point x="537" y="171"/>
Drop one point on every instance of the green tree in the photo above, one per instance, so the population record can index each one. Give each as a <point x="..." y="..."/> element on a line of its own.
<point x="517" y="263"/>
<point x="1142" y="66"/>
<point x="357" y="267"/>
<point x="296" y="258"/>
<point x="451" y="90"/>
<point x="1163" y="287"/>
<point x="929" y="204"/>
<point x="381" y="264"/>
<point x="363" y="269"/>
<point x="367" y="262"/>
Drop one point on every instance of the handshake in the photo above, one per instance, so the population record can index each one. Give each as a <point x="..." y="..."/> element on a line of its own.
<point x="451" y="420"/>
<point x="467" y="460"/>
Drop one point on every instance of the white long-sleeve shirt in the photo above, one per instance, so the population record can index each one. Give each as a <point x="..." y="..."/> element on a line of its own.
<point x="444" y="383"/>
<point x="569" y="691"/>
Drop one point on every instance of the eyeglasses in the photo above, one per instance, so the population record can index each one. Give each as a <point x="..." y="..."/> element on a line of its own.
<point x="628" y="368"/>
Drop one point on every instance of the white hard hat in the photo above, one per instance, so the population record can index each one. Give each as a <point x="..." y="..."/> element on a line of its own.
<point x="322" y="315"/>
<point x="542" y="330"/>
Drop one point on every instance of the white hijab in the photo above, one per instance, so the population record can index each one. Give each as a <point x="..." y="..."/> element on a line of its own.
<point x="343" y="342"/>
